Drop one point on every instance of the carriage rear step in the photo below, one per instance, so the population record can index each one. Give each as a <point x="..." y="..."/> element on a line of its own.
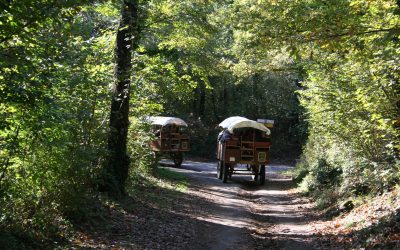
<point x="243" y="173"/>
<point x="242" y="170"/>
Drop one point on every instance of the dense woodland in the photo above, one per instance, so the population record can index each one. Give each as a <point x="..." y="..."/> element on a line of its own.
<point x="78" y="77"/>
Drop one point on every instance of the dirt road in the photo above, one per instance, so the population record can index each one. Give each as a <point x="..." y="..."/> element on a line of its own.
<point x="242" y="215"/>
<point x="209" y="215"/>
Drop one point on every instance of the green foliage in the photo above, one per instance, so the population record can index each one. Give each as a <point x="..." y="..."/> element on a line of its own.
<point x="337" y="169"/>
<point x="346" y="53"/>
<point x="202" y="61"/>
<point x="195" y="74"/>
<point x="53" y="91"/>
<point x="352" y="99"/>
<point x="142" y="159"/>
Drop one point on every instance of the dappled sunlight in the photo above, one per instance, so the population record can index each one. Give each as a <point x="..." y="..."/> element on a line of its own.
<point x="211" y="214"/>
<point x="223" y="220"/>
<point x="272" y="209"/>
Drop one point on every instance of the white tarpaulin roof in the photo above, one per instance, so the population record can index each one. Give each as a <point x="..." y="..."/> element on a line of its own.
<point x="225" y="123"/>
<point x="241" y="122"/>
<point x="162" y="120"/>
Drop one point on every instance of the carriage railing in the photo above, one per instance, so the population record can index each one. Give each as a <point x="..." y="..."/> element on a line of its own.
<point x="171" y="142"/>
<point x="247" y="150"/>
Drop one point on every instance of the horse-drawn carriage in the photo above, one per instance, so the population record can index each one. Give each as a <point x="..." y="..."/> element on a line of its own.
<point x="171" y="137"/>
<point x="243" y="141"/>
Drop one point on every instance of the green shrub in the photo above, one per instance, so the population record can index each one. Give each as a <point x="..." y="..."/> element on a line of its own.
<point x="329" y="167"/>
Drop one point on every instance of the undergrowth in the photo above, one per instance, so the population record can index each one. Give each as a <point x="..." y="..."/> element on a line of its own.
<point x="333" y="173"/>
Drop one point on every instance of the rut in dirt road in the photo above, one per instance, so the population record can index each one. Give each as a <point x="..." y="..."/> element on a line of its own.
<point x="243" y="215"/>
<point x="283" y="219"/>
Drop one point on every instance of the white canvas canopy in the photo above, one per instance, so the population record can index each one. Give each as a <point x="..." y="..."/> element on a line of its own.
<point x="225" y="123"/>
<point x="162" y="120"/>
<point x="241" y="122"/>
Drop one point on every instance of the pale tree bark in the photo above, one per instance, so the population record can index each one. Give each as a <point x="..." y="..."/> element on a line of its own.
<point x="116" y="171"/>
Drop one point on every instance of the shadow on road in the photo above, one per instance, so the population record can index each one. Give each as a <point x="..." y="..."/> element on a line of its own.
<point x="239" y="214"/>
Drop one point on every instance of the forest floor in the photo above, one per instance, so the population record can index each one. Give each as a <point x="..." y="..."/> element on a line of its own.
<point x="210" y="214"/>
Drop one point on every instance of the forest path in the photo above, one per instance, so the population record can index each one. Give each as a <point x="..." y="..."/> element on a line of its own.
<point x="243" y="215"/>
<point x="210" y="214"/>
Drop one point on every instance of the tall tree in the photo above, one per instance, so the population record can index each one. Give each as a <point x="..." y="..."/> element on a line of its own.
<point x="127" y="40"/>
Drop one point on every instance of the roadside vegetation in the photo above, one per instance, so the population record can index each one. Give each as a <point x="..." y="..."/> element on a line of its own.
<point x="78" y="77"/>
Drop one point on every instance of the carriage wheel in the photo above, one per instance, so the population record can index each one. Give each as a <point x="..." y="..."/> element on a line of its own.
<point x="177" y="158"/>
<point x="219" y="169"/>
<point x="225" y="172"/>
<point x="261" y="177"/>
<point x="254" y="169"/>
<point x="231" y="169"/>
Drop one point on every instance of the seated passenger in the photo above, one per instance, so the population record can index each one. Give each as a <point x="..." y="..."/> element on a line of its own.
<point x="224" y="136"/>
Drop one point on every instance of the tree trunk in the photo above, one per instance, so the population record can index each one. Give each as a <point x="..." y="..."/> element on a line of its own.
<point x="202" y="100"/>
<point x="254" y="93"/>
<point x="214" y="106"/>
<point x="127" y="40"/>
<point x="224" y="97"/>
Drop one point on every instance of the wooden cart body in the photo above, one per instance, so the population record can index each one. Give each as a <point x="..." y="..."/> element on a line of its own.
<point x="173" y="142"/>
<point x="248" y="142"/>
<point x="171" y="137"/>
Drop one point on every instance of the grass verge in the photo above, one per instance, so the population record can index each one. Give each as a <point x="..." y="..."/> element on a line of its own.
<point x="159" y="188"/>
